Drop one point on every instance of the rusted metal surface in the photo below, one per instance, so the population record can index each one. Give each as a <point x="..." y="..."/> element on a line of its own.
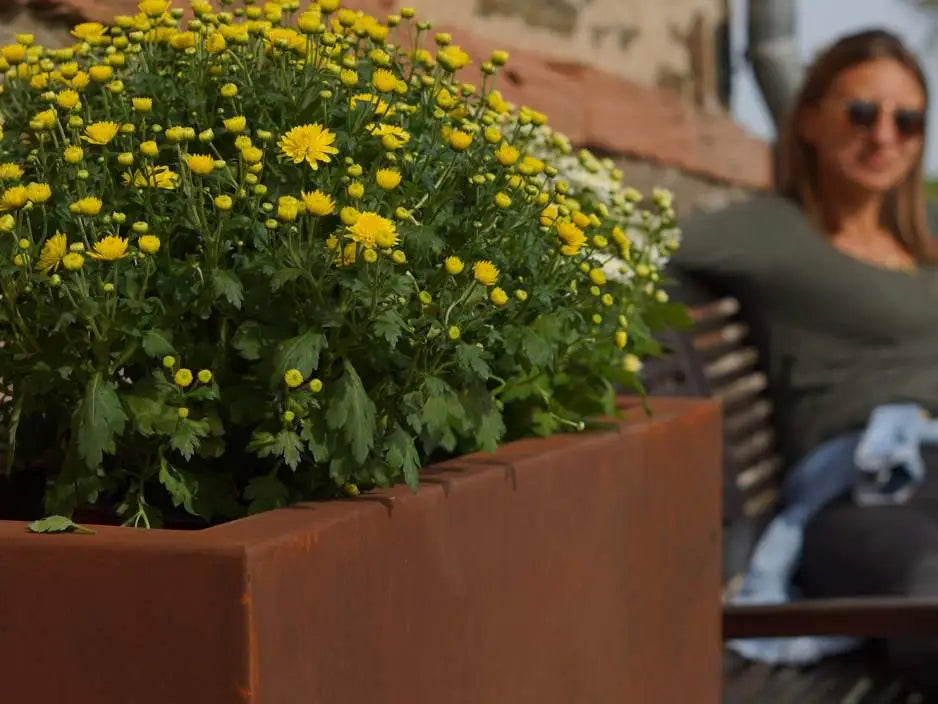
<point x="569" y="570"/>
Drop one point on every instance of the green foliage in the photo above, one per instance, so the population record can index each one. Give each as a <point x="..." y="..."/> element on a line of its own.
<point x="380" y="266"/>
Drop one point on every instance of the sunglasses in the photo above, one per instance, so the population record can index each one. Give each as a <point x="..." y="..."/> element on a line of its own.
<point x="865" y="114"/>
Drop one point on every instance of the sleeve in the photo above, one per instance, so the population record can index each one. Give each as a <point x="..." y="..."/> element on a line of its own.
<point x="736" y="241"/>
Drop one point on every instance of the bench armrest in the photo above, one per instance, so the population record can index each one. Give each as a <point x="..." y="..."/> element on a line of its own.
<point x="856" y="616"/>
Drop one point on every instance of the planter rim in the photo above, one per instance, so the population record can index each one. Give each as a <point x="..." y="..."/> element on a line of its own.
<point x="437" y="481"/>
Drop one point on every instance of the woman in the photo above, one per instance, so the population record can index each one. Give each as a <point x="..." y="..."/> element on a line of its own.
<point x="839" y="273"/>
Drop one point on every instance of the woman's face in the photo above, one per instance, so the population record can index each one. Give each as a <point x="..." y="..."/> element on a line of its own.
<point x="868" y="131"/>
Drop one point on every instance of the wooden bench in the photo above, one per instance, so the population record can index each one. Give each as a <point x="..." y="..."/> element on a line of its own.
<point x="719" y="358"/>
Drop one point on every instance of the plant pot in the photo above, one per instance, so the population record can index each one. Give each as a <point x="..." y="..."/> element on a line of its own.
<point x="569" y="569"/>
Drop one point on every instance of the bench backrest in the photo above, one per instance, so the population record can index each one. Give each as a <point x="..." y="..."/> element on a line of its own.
<point x="718" y="358"/>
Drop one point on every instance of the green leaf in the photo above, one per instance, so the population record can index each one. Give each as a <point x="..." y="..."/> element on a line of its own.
<point x="402" y="455"/>
<point x="284" y="276"/>
<point x="265" y="493"/>
<point x="470" y="358"/>
<point x="490" y="430"/>
<point x="58" y="524"/>
<point x="538" y="351"/>
<point x="187" y="436"/>
<point x="226" y="284"/>
<point x="100" y="418"/>
<point x="289" y="447"/>
<point x="249" y="340"/>
<point x="177" y="484"/>
<point x="300" y="352"/>
<point x="158" y="343"/>
<point x="442" y="414"/>
<point x="389" y="326"/>
<point x="352" y="412"/>
<point x="150" y="416"/>
<point x="315" y="436"/>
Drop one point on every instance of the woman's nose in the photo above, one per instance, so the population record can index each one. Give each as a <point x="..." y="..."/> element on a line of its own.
<point x="884" y="131"/>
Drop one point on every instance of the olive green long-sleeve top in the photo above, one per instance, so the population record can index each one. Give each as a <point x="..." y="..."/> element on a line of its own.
<point x="840" y="336"/>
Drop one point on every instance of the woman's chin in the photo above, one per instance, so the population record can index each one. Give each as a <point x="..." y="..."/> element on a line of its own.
<point x="875" y="180"/>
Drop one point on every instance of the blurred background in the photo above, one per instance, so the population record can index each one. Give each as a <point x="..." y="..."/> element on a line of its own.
<point x="820" y="21"/>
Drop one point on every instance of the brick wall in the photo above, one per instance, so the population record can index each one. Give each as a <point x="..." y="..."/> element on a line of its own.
<point x="596" y="67"/>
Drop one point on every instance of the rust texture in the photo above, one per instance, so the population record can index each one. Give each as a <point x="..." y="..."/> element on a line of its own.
<point x="568" y="569"/>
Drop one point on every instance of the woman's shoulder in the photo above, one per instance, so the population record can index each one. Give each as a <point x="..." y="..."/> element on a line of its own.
<point x="740" y="235"/>
<point x="755" y="212"/>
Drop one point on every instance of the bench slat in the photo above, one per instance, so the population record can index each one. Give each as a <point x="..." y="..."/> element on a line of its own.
<point x="731" y="363"/>
<point x="758" y="473"/>
<point x="749" y="385"/>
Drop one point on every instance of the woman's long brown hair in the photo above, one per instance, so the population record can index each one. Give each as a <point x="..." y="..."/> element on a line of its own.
<point x="904" y="207"/>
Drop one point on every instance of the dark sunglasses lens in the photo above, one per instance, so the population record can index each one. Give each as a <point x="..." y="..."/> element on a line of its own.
<point x="910" y="123"/>
<point x="862" y="113"/>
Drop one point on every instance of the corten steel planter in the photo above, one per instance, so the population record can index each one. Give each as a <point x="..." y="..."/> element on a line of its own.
<point x="576" y="569"/>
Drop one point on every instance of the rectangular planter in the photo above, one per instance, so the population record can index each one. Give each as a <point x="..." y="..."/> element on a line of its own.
<point x="574" y="569"/>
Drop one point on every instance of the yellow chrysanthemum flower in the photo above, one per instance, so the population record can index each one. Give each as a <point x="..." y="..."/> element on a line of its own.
<point x="73" y="261"/>
<point x="13" y="198"/>
<point x="11" y="172"/>
<point x="597" y="276"/>
<point x="215" y="44"/>
<point x="68" y="99"/>
<point x="73" y="155"/>
<point x="381" y="108"/>
<point x="485" y="272"/>
<point x="101" y="73"/>
<point x="384" y="80"/>
<point x="201" y="164"/>
<point x="531" y="165"/>
<point x="88" y="30"/>
<point x="46" y="119"/>
<point x="236" y="124"/>
<point x="149" y="244"/>
<point x="459" y="140"/>
<point x="392" y="137"/>
<point x="371" y="229"/>
<point x="90" y="206"/>
<point x="80" y="81"/>
<point x="153" y="8"/>
<point x="572" y="237"/>
<point x="549" y="215"/>
<point x="153" y="177"/>
<point x="13" y="53"/>
<point x="182" y="40"/>
<point x="454" y="265"/>
<point x="109" y="248"/>
<point x="101" y="132"/>
<point x="38" y="192"/>
<point x="54" y="249"/>
<point x="150" y="148"/>
<point x="318" y="203"/>
<point x="293" y="378"/>
<point x="183" y="377"/>
<point x="252" y="155"/>
<point x="452" y="58"/>
<point x="498" y="296"/>
<point x="288" y="208"/>
<point x="388" y="179"/>
<point x="507" y="154"/>
<point x="142" y="104"/>
<point x="309" y="143"/>
<point x="502" y="200"/>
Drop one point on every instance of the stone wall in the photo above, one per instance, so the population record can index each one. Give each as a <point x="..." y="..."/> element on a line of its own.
<point x="668" y="44"/>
